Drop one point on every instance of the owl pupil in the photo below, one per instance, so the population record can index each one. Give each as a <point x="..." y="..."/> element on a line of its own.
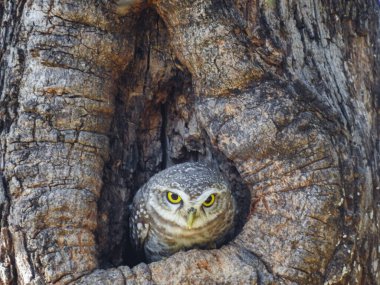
<point x="174" y="196"/>
<point x="208" y="200"/>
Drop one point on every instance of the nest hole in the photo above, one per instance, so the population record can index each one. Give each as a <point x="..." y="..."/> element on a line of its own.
<point x="154" y="127"/>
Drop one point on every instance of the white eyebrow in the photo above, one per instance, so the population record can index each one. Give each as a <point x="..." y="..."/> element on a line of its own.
<point x="208" y="192"/>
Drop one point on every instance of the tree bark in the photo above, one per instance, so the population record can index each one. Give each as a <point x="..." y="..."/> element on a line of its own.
<point x="282" y="96"/>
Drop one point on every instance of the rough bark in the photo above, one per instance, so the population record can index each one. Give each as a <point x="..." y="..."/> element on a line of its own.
<point x="59" y="66"/>
<point x="282" y="96"/>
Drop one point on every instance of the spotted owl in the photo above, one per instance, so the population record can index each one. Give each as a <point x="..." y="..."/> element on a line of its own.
<point x="186" y="206"/>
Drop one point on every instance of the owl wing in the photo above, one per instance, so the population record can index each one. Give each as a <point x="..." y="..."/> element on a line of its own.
<point x="139" y="221"/>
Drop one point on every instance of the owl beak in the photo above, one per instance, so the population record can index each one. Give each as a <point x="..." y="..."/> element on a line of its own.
<point x="190" y="217"/>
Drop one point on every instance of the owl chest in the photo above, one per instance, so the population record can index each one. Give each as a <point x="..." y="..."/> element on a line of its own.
<point x="166" y="242"/>
<point x="180" y="238"/>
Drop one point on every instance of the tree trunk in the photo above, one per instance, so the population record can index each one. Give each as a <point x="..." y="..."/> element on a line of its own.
<point x="282" y="96"/>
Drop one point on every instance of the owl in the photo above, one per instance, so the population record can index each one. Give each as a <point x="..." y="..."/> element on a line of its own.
<point x="186" y="206"/>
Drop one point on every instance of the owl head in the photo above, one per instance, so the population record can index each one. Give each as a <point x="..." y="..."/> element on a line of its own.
<point x="190" y="196"/>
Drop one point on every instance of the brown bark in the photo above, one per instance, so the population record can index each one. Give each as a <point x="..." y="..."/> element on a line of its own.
<point x="282" y="96"/>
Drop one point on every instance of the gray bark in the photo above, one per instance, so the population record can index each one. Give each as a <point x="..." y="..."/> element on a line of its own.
<point x="282" y="96"/>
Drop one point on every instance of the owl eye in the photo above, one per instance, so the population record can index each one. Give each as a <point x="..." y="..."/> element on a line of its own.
<point x="209" y="201"/>
<point x="173" y="198"/>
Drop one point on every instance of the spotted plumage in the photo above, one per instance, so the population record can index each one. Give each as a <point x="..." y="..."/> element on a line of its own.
<point x="186" y="206"/>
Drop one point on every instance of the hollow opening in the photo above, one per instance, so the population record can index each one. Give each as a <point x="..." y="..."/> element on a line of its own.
<point x="154" y="127"/>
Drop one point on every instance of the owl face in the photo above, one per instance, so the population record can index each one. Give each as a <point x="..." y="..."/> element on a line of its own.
<point x="190" y="209"/>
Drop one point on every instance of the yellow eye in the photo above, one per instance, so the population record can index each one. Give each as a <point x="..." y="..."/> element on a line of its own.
<point x="209" y="201"/>
<point x="174" y="198"/>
